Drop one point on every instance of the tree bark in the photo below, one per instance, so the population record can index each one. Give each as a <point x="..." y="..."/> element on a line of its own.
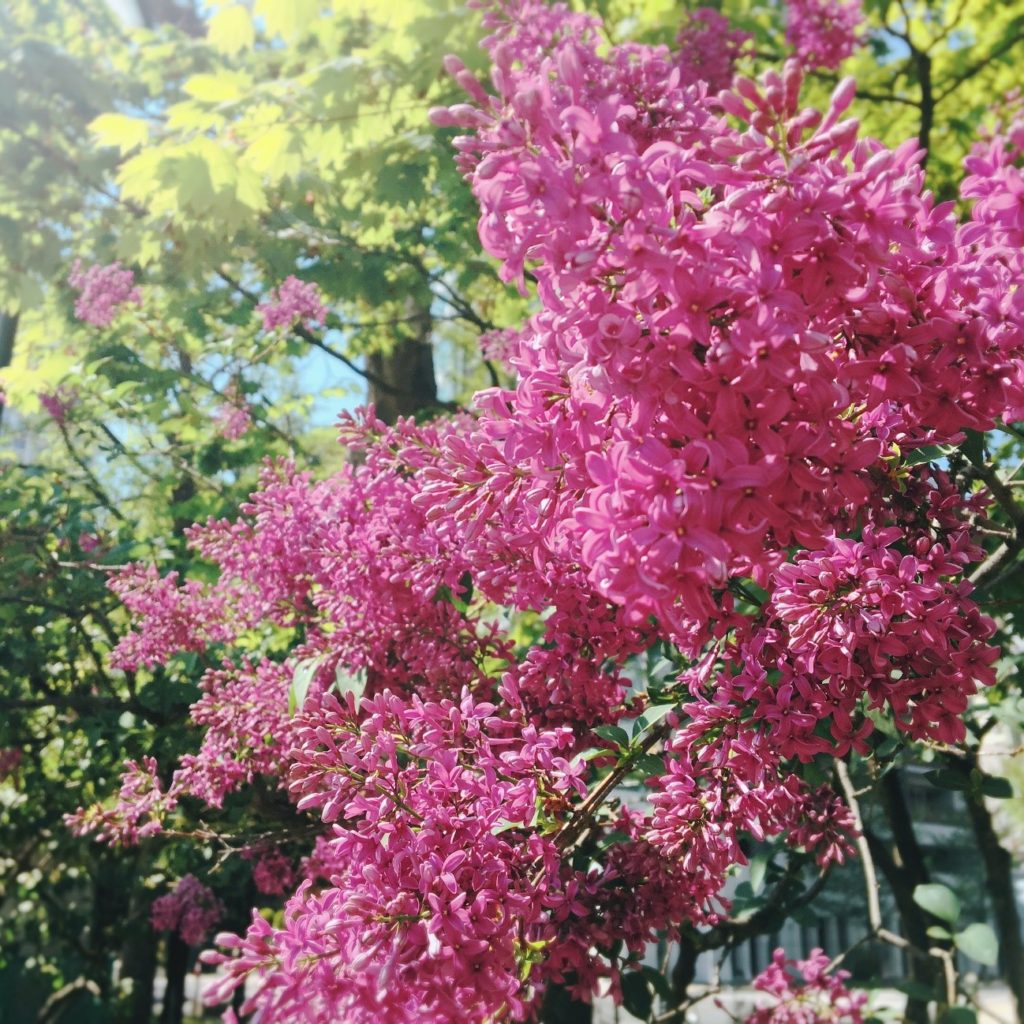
<point x="407" y="384"/>
<point x="8" y="330"/>
<point x="999" y="875"/>
<point x="904" y="867"/>
<point x="177" y="971"/>
<point x="138" y="952"/>
<point x="685" y="968"/>
<point x="140" y="965"/>
<point x="923" y="63"/>
<point x="999" y="884"/>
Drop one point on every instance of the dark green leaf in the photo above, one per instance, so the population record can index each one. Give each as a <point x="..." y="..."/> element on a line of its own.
<point x="958" y="1015"/>
<point x="637" y="997"/>
<point x="946" y="778"/>
<point x="930" y="453"/>
<point x="974" y="446"/>
<point x="658" y="982"/>
<point x="996" y="787"/>
<point x="614" y="735"/>
<point x="612" y="839"/>
<point x="911" y="989"/>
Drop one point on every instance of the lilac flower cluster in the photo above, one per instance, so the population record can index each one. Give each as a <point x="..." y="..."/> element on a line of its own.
<point x="102" y="291"/>
<point x="292" y="302"/>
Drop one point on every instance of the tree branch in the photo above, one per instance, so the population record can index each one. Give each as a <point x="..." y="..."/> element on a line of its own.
<point x="966" y="75"/>
<point x="301" y="331"/>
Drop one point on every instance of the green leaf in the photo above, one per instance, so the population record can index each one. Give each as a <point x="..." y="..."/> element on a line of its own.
<point x="504" y="825"/>
<point x="650" y="764"/>
<point x="979" y="942"/>
<point x="996" y="787"/>
<point x="936" y="931"/>
<point x="302" y="677"/>
<point x="612" y="839"/>
<point x="911" y="989"/>
<point x="637" y="997"/>
<point x="958" y="1015"/>
<point x="127" y="133"/>
<point x="613" y="734"/>
<point x="276" y="153"/>
<point x="938" y="900"/>
<point x="946" y="778"/>
<point x="929" y="453"/>
<point x="652" y="716"/>
<point x="758" y="869"/>
<point x="658" y="982"/>
<point x="231" y="30"/>
<point x="195" y="188"/>
<point x="745" y="903"/>
<point x="888" y="746"/>
<point x="346" y="681"/>
<point x="974" y="446"/>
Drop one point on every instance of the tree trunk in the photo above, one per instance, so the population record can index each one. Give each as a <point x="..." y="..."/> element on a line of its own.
<point x="999" y="884"/>
<point x="8" y="330"/>
<point x="138" y="958"/>
<point x="403" y="381"/>
<point x="685" y="968"/>
<point x="177" y="971"/>
<point x="904" y="868"/>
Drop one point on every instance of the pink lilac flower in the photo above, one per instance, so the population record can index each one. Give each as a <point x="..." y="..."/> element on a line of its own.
<point x="102" y="291"/>
<point x="191" y="910"/>
<point x="293" y="302"/>
<point x="234" y="417"/>
<point x="991" y="251"/>
<point x="273" y="873"/>
<point x="725" y="779"/>
<point x="866" y="618"/>
<point x="708" y="48"/>
<point x="664" y="376"/>
<point x="89" y="542"/>
<point x="350" y="556"/>
<point x="499" y="346"/>
<point x="433" y="922"/>
<point x="805" y="993"/>
<point x="173" y="616"/>
<point x="244" y="710"/>
<point x="141" y="808"/>
<point x="823" y="32"/>
<point x="58" y="403"/>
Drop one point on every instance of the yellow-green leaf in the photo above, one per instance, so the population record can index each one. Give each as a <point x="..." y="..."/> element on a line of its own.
<point x="231" y="30"/>
<point x="249" y="190"/>
<point x="276" y="153"/>
<point x="220" y="88"/>
<point x="120" y="130"/>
